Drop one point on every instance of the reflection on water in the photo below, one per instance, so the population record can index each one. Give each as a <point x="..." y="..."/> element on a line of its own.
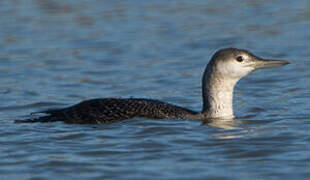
<point x="236" y="128"/>
<point x="226" y="124"/>
<point x="57" y="53"/>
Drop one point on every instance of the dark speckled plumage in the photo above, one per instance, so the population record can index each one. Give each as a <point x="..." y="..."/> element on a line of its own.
<point x="112" y="109"/>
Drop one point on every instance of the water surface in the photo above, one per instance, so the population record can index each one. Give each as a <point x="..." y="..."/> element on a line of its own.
<point x="57" y="53"/>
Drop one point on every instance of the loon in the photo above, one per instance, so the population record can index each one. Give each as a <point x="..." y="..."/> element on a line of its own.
<point x="226" y="67"/>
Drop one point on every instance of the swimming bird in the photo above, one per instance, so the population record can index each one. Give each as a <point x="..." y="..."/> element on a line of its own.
<point x="224" y="70"/>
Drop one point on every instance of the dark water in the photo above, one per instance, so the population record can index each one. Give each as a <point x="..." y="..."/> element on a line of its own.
<point x="56" y="53"/>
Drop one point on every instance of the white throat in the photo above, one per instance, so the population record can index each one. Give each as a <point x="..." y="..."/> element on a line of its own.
<point x="217" y="95"/>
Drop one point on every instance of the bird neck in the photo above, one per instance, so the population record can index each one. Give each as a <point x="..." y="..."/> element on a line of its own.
<point x="217" y="95"/>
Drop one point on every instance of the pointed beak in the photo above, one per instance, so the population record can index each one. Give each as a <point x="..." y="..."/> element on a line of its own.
<point x="263" y="63"/>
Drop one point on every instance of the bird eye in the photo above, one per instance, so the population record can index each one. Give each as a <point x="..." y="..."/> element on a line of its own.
<point x="239" y="59"/>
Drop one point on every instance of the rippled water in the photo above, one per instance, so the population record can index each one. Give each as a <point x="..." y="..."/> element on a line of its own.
<point x="56" y="53"/>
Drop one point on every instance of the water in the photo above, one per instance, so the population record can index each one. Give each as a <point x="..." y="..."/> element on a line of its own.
<point x="57" y="53"/>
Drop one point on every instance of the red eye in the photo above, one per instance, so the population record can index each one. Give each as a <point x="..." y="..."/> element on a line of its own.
<point x="239" y="59"/>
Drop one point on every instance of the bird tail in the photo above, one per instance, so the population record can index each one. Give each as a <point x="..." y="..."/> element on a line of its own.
<point x="42" y="119"/>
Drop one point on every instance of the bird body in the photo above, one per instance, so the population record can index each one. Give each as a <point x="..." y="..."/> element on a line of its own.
<point x="225" y="69"/>
<point x="106" y="110"/>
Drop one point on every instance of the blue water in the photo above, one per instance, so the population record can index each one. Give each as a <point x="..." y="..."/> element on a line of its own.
<point x="57" y="53"/>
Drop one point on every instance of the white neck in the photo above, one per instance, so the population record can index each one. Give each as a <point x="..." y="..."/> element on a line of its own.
<point x="217" y="95"/>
